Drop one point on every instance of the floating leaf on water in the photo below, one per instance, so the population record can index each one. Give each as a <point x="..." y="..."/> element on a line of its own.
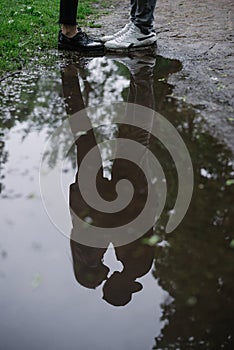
<point x="230" y="182"/>
<point x="31" y="196"/>
<point x="191" y="301"/>
<point x="231" y="245"/>
<point x="36" y="281"/>
<point x="151" y="241"/>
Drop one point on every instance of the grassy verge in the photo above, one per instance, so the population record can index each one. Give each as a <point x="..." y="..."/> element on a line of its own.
<point x="29" y="27"/>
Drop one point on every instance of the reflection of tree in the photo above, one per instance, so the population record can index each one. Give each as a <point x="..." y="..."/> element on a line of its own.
<point x="197" y="268"/>
<point x="35" y="98"/>
<point x="197" y="271"/>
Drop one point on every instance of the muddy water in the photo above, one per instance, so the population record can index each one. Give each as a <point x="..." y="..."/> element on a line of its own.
<point x="176" y="293"/>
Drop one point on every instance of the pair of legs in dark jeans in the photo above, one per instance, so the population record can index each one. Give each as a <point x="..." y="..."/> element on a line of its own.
<point x="141" y="14"/>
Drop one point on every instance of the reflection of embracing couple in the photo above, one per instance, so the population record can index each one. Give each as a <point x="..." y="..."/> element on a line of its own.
<point x="136" y="257"/>
<point x="90" y="272"/>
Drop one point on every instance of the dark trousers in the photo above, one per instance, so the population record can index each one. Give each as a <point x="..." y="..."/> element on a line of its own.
<point x="142" y="13"/>
<point x="68" y="12"/>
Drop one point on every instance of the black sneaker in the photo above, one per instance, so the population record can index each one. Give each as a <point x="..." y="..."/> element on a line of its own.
<point x="80" y="42"/>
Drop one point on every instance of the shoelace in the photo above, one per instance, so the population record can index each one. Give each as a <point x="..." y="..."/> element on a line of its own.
<point x="123" y="30"/>
<point x="83" y="34"/>
<point x="89" y="38"/>
<point x="131" y="30"/>
<point x="124" y="35"/>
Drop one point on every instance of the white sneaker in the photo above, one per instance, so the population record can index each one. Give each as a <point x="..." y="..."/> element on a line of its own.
<point x="115" y="35"/>
<point x="133" y="38"/>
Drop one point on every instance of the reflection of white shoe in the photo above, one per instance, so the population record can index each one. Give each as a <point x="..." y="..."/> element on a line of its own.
<point x="115" y="35"/>
<point x="133" y="38"/>
<point x="135" y="64"/>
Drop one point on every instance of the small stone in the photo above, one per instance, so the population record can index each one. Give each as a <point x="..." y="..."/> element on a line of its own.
<point x="191" y="301"/>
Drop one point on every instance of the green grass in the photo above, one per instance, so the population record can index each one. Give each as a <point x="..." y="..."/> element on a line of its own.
<point x="29" y="28"/>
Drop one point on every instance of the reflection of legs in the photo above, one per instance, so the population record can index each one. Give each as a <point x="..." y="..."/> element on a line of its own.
<point x="141" y="89"/>
<point x="71" y="89"/>
<point x="140" y="93"/>
<point x="136" y="257"/>
<point x="74" y="103"/>
<point x="89" y="269"/>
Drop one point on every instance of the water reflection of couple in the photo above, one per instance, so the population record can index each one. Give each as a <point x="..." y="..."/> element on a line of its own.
<point x="136" y="257"/>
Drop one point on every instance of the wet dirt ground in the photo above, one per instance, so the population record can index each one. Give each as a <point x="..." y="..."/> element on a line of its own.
<point x="199" y="34"/>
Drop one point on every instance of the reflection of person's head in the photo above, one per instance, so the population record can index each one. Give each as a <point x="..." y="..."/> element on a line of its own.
<point x="118" y="289"/>
<point x="88" y="267"/>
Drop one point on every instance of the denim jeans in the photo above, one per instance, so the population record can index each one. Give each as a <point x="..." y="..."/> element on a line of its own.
<point x="142" y="13"/>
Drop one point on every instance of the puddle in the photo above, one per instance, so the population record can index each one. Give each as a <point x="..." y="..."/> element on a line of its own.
<point x="56" y="294"/>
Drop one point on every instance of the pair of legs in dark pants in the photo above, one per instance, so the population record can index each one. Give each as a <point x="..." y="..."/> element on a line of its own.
<point x="142" y="13"/>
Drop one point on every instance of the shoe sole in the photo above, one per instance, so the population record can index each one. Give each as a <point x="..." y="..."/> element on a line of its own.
<point x="104" y="40"/>
<point x="78" y="54"/>
<point x="150" y="48"/>
<point x="65" y="47"/>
